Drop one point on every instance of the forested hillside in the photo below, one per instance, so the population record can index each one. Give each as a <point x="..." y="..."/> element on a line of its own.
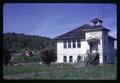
<point x="21" y="41"/>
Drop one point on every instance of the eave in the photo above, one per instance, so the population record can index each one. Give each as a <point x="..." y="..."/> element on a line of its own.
<point x="69" y="37"/>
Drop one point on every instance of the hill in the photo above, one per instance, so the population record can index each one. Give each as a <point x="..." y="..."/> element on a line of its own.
<point x="19" y="41"/>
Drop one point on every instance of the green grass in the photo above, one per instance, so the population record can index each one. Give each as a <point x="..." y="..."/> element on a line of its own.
<point x="11" y="70"/>
<point x="64" y="72"/>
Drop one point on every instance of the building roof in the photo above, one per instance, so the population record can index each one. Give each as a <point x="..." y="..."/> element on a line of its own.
<point x="110" y="37"/>
<point x="80" y="31"/>
<point x="94" y="28"/>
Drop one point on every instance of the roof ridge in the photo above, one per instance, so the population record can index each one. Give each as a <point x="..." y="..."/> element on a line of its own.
<point x="78" y="29"/>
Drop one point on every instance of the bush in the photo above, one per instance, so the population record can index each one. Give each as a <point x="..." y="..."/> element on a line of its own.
<point x="48" y="56"/>
<point x="6" y="56"/>
<point x="25" y="59"/>
<point x="92" y="59"/>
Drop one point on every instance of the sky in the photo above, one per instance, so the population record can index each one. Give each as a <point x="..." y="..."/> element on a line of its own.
<point x="54" y="19"/>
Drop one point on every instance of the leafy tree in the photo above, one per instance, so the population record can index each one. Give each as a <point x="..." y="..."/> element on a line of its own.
<point x="6" y="56"/>
<point x="21" y="41"/>
<point x="48" y="56"/>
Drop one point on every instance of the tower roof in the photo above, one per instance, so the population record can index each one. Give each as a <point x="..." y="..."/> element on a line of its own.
<point x="96" y="20"/>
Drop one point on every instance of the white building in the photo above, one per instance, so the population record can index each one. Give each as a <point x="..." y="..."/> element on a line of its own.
<point x="91" y="37"/>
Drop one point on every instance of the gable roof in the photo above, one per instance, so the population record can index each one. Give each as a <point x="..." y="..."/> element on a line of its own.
<point x="80" y="31"/>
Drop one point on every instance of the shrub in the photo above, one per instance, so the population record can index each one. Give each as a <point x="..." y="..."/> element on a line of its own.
<point x="92" y="59"/>
<point x="25" y="59"/>
<point x="6" y="56"/>
<point x="48" y="56"/>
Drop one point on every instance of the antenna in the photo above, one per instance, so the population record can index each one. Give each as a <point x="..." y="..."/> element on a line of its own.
<point x="96" y="13"/>
<point x="103" y="12"/>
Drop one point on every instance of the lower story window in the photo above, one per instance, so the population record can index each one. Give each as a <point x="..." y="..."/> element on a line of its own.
<point x="70" y="58"/>
<point x="78" y="58"/>
<point x="64" y="58"/>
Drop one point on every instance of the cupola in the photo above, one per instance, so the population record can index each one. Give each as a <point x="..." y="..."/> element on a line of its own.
<point x="96" y="22"/>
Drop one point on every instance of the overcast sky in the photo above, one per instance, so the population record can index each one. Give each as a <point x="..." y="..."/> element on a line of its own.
<point x="51" y="20"/>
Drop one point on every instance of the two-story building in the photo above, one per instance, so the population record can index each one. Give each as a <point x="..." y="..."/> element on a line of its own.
<point x="93" y="37"/>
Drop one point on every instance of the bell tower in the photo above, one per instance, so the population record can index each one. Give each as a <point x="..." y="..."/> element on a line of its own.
<point x="96" y="22"/>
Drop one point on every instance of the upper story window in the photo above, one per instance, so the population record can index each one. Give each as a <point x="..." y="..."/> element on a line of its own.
<point x="74" y="43"/>
<point x="65" y="44"/>
<point x="69" y="43"/>
<point x="78" y="43"/>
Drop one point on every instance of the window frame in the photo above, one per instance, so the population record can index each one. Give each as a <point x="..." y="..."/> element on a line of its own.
<point x="65" y="44"/>
<point x="78" y="43"/>
<point x="79" y="58"/>
<point x="64" y="58"/>
<point x="69" y="43"/>
<point x="70" y="58"/>
<point x="74" y="43"/>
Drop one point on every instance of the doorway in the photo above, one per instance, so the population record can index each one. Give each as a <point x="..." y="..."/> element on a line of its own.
<point x="93" y="47"/>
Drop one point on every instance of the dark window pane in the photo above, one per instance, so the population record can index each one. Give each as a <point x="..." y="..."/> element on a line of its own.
<point x="70" y="59"/>
<point x="65" y="44"/>
<point x="74" y="44"/>
<point x="64" y="58"/>
<point x="78" y="58"/>
<point x="78" y="44"/>
<point x="69" y="44"/>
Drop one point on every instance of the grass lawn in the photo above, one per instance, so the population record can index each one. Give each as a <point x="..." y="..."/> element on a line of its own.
<point x="105" y="72"/>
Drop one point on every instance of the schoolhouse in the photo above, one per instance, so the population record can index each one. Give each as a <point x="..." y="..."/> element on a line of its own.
<point x="92" y="38"/>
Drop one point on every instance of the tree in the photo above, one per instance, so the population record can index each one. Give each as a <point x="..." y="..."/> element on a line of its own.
<point x="48" y="56"/>
<point x="6" y="56"/>
<point x="21" y="41"/>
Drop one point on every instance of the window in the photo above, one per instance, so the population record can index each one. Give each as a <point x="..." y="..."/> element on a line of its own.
<point x="65" y="44"/>
<point x="105" y="58"/>
<point x="78" y="58"/>
<point x="112" y="43"/>
<point x="74" y="44"/>
<point x="70" y="59"/>
<point x="78" y="44"/>
<point x="69" y="44"/>
<point x="64" y="58"/>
